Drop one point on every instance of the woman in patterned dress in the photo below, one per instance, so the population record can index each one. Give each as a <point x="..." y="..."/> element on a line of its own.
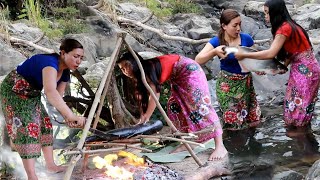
<point x="189" y="106"/>
<point x="292" y="44"/>
<point x="27" y="122"/>
<point x="235" y="91"/>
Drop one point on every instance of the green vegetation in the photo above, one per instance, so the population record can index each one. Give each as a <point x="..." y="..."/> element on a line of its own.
<point x="63" y="22"/>
<point x="156" y="8"/>
<point x="307" y="1"/>
<point x="168" y="7"/>
<point x="184" y="6"/>
<point x="4" y="16"/>
<point x="67" y="21"/>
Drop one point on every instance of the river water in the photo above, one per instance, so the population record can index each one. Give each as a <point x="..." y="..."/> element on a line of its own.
<point x="271" y="151"/>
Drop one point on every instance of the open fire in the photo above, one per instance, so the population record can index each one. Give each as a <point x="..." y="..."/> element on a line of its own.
<point x="127" y="166"/>
<point x="120" y="166"/>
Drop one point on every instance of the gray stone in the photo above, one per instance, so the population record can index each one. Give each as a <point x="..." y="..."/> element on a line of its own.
<point x="9" y="58"/>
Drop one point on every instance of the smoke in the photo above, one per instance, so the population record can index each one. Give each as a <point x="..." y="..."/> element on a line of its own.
<point x="13" y="162"/>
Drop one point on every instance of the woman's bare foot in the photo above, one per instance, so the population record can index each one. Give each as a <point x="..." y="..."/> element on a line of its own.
<point x="56" y="169"/>
<point x="218" y="153"/>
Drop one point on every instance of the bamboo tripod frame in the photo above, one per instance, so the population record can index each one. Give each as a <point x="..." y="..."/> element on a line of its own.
<point x="100" y="97"/>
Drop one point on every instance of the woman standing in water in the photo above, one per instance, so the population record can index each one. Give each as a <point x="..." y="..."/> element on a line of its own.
<point x="189" y="106"/>
<point x="291" y="43"/>
<point x="27" y="122"/>
<point x="235" y="91"/>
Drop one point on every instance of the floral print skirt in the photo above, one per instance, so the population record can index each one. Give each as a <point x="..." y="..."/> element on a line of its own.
<point x="189" y="106"/>
<point x="237" y="99"/>
<point x="27" y="122"/>
<point x="302" y="89"/>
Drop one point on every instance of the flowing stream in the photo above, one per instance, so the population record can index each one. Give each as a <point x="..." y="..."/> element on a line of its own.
<point x="271" y="151"/>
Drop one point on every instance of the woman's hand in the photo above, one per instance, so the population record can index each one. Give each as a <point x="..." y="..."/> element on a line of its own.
<point x="239" y="55"/>
<point x="220" y="52"/>
<point x="143" y="119"/>
<point x="76" y="121"/>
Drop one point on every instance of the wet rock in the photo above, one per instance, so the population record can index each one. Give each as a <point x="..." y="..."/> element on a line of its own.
<point x="314" y="171"/>
<point x="288" y="175"/>
<point x="247" y="169"/>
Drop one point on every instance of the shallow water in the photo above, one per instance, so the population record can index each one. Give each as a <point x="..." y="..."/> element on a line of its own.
<point x="271" y="151"/>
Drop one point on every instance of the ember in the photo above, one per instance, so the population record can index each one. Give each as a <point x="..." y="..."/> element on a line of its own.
<point x="121" y="169"/>
<point x="127" y="166"/>
<point x="157" y="172"/>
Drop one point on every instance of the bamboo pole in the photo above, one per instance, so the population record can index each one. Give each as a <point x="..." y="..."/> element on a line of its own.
<point x="94" y="151"/>
<point x="193" y="134"/>
<point x="105" y="90"/>
<point x="172" y="139"/>
<point x="93" y="108"/>
<point x="159" y="105"/>
<point x="119" y="144"/>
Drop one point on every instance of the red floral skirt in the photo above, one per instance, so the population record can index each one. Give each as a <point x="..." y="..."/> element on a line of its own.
<point x="189" y="106"/>
<point x="237" y="100"/>
<point x="28" y="124"/>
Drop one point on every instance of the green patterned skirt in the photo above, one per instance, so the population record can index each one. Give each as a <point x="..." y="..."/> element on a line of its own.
<point x="237" y="99"/>
<point x="27" y="122"/>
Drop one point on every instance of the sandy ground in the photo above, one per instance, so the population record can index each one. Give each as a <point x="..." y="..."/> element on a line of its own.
<point x="191" y="170"/>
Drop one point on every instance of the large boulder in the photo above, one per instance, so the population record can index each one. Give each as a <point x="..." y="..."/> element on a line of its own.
<point x="308" y="16"/>
<point x="9" y="58"/>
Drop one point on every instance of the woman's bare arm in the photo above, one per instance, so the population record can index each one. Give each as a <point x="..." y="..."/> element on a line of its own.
<point x="208" y="52"/>
<point x="62" y="87"/>
<point x="151" y="105"/>
<point x="270" y="53"/>
<point x="49" y="75"/>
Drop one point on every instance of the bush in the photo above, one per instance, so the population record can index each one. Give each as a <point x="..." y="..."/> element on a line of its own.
<point x="184" y="7"/>
<point x="72" y="26"/>
<point x="169" y="7"/>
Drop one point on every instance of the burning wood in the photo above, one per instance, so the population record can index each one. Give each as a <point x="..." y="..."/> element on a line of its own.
<point x="127" y="166"/>
<point x="157" y="172"/>
<point x="122" y="169"/>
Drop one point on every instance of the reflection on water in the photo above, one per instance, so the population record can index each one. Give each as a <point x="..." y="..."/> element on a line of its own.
<point x="271" y="151"/>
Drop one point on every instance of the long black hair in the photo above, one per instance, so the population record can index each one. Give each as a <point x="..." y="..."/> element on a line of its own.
<point x="152" y="70"/>
<point x="279" y="14"/>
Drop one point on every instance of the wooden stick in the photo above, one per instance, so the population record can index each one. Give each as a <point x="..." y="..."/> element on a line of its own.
<point x="193" y="134"/>
<point x="159" y="105"/>
<point x="85" y="160"/>
<point x="106" y="86"/>
<point x="126" y="141"/>
<point x="83" y="82"/>
<point x="74" y="159"/>
<point x="94" y="151"/>
<point x="29" y="43"/>
<point x="118" y="144"/>
<point x="172" y="139"/>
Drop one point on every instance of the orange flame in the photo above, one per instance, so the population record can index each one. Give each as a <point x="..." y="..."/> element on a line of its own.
<point x="132" y="158"/>
<point x="119" y="173"/>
